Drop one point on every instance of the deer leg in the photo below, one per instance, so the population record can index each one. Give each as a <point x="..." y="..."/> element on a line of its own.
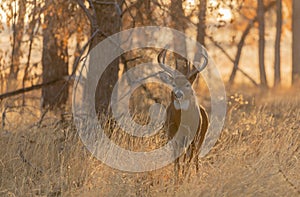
<point x="197" y="163"/>
<point x="176" y="166"/>
<point x="176" y="170"/>
<point x="188" y="160"/>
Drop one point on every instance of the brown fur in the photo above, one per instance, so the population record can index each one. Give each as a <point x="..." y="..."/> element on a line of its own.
<point x="173" y="122"/>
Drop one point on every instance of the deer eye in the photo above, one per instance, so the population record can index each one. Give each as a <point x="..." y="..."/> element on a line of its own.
<point x="187" y="85"/>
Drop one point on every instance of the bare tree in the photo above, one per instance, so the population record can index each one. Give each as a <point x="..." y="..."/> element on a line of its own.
<point x="201" y="24"/>
<point x="109" y="22"/>
<point x="33" y="28"/>
<point x="242" y="42"/>
<point x="178" y="23"/>
<point x="54" y="60"/>
<point x="296" y="42"/>
<point x="18" y="32"/>
<point x="261" y="47"/>
<point x="277" y="77"/>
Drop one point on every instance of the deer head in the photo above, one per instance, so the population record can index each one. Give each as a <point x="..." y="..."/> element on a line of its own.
<point x="182" y="84"/>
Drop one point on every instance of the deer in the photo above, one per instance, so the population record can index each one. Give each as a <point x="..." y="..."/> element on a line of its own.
<point x="180" y="102"/>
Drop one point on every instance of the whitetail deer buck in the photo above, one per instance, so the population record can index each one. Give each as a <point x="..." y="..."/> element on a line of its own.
<point x="180" y="102"/>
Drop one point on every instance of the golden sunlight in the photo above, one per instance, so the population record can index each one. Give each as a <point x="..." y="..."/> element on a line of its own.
<point x="2" y="14"/>
<point x="224" y="14"/>
<point x="213" y="3"/>
<point x="190" y="4"/>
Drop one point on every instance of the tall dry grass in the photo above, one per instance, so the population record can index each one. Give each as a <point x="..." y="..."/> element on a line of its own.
<point x="257" y="154"/>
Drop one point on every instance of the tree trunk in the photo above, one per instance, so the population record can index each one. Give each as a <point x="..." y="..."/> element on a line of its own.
<point x="239" y="53"/>
<point x="296" y="42"/>
<point x="178" y="23"/>
<point x="261" y="53"/>
<point x="277" y="77"/>
<point x="242" y="42"/>
<point x="201" y="27"/>
<point x="201" y="24"/>
<point x="18" y="29"/>
<point x="109" y="22"/>
<point x="55" y="64"/>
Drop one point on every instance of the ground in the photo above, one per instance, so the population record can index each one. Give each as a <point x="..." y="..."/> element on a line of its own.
<point x="258" y="154"/>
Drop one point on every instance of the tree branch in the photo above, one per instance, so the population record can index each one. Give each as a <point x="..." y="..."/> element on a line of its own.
<point x="232" y="60"/>
<point x="28" y="89"/>
<point x="242" y="42"/>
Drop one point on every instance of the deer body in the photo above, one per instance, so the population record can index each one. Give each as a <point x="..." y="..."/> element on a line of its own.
<point x="174" y="112"/>
<point x="174" y="119"/>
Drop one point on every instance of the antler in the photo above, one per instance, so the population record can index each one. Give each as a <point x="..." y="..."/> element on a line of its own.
<point x="205" y="62"/>
<point x="161" y="60"/>
<point x="162" y="57"/>
<point x="195" y="69"/>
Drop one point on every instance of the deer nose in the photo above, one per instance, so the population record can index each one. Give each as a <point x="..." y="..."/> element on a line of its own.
<point x="179" y="94"/>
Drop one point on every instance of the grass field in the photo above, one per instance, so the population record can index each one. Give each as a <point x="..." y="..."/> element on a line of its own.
<point x="258" y="154"/>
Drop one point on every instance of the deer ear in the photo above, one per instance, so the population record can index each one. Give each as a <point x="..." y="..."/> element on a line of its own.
<point x="202" y="63"/>
<point x="166" y="78"/>
<point x="192" y="78"/>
